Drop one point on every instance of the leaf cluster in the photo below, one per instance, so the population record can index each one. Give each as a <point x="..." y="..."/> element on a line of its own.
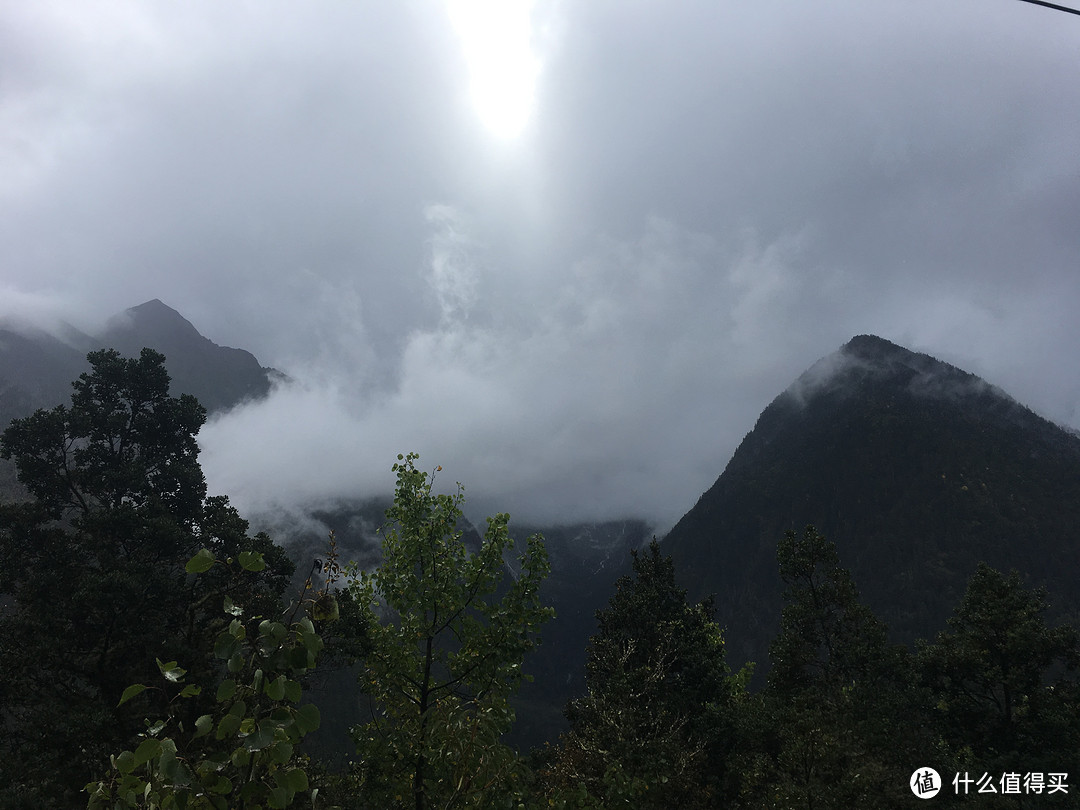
<point x="239" y="754"/>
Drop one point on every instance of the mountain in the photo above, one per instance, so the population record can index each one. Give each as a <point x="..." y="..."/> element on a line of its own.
<point x="37" y="366"/>
<point x="36" y="371"/>
<point x="916" y="469"/>
<point x="220" y="377"/>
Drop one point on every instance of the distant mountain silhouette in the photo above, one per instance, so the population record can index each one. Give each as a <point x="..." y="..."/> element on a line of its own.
<point x="220" y="377"/>
<point x="37" y="367"/>
<point x="916" y="469"/>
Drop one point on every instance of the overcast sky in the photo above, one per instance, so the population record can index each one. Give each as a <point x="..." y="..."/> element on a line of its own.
<point x="567" y="250"/>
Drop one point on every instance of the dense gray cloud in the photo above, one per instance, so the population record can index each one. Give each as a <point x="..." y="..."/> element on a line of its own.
<point x="581" y="321"/>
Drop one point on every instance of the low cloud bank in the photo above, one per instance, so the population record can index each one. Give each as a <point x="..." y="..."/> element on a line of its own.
<point x="619" y="389"/>
<point x="605" y="396"/>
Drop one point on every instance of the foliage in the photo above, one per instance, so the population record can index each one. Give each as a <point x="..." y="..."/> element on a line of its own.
<point x="121" y="566"/>
<point x="123" y="441"/>
<point x="827" y="637"/>
<point x="1005" y="683"/>
<point x="240" y="754"/>
<point x="447" y="655"/>
<point x="94" y="567"/>
<point x="654" y="728"/>
<point x="840" y="723"/>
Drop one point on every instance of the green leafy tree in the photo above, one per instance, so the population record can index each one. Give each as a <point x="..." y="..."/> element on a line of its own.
<point x="654" y="729"/>
<point x="448" y="636"/>
<point x="239" y="754"/>
<point x="1005" y="683"/>
<point x="840" y="723"/>
<point x="93" y="569"/>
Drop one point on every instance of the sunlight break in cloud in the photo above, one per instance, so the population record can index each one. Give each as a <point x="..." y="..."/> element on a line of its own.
<point x="496" y="36"/>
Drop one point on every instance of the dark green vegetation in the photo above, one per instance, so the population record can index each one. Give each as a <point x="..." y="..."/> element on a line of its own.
<point x="841" y="722"/>
<point x="656" y="726"/>
<point x="152" y="648"/>
<point x="845" y="717"/>
<point x="240" y="752"/>
<point x="93" y="572"/>
<point x="441" y="669"/>
<point x="989" y="672"/>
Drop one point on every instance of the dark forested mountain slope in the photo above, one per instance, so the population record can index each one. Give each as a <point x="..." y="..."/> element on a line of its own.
<point x="916" y="469"/>
<point x="218" y="376"/>
<point x="37" y="367"/>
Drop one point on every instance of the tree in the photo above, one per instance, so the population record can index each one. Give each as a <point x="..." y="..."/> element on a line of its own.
<point x="654" y="729"/>
<point x="448" y="636"/>
<point x="840" y="723"/>
<point x="94" y="570"/>
<point x="827" y="636"/>
<point x="240" y="754"/>
<point x="1005" y="683"/>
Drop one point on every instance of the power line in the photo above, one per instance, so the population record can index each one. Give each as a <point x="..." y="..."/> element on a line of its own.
<point x="1052" y="5"/>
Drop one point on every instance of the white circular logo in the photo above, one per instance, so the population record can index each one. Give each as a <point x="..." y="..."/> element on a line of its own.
<point x="925" y="783"/>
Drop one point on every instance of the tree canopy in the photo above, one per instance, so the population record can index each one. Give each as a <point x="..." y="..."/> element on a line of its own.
<point x="449" y="630"/>
<point x="120" y="566"/>
<point x="840" y="723"/>
<point x="655" y="726"/>
<point x="1006" y="682"/>
<point x="94" y="566"/>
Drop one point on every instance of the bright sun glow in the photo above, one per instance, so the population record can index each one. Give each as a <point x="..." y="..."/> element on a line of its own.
<point x="496" y="36"/>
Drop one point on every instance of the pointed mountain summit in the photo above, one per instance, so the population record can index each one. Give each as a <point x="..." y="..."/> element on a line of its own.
<point x="218" y="376"/>
<point x="154" y="320"/>
<point x="916" y="469"/>
<point x="37" y="366"/>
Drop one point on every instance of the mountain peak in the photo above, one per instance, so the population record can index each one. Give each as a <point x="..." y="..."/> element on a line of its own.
<point x="218" y="375"/>
<point x="868" y="360"/>
<point x="157" y="319"/>
<point x="915" y="468"/>
<point x="872" y="347"/>
<point x="154" y="306"/>
<point x="37" y="366"/>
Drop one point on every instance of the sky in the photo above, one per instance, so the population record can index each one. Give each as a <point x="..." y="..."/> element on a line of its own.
<point x="566" y="250"/>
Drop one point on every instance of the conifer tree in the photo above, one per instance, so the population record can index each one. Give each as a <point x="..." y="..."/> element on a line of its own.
<point x="1006" y="685"/>
<point x="654" y="728"/>
<point x="840" y="723"/>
